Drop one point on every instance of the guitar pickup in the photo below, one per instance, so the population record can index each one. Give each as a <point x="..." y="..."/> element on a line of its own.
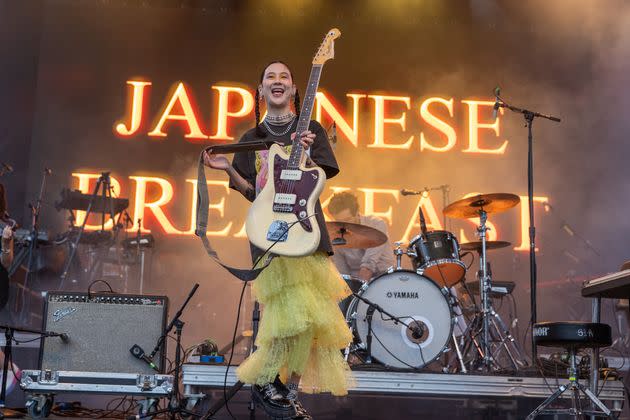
<point x="283" y="198"/>
<point x="291" y="174"/>
<point x="283" y="208"/>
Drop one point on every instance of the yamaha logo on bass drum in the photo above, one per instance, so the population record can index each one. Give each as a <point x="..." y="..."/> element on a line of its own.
<point x="403" y="295"/>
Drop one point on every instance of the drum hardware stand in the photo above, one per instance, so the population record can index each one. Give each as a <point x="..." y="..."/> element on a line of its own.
<point x="398" y="252"/>
<point x="529" y="120"/>
<point x="175" y="404"/>
<point x="29" y="252"/>
<point x="484" y="287"/>
<point x="491" y="323"/>
<point x="458" y="350"/>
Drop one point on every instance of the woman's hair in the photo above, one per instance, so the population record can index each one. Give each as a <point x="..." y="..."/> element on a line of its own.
<point x="296" y="99"/>
<point x="343" y="200"/>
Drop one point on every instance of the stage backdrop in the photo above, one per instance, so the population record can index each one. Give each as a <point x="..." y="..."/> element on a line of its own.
<point x="139" y="91"/>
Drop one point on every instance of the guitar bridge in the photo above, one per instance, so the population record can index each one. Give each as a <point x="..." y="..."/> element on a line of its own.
<point x="278" y="231"/>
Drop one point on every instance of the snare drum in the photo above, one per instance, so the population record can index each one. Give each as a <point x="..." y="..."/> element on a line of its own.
<point x="420" y="303"/>
<point x="438" y="256"/>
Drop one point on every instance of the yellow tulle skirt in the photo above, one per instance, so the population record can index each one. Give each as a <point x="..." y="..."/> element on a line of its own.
<point x="302" y="330"/>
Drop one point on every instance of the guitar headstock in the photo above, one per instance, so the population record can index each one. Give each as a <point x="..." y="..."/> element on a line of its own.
<point x="326" y="50"/>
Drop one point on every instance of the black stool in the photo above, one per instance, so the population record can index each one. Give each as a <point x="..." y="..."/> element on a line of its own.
<point x="572" y="336"/>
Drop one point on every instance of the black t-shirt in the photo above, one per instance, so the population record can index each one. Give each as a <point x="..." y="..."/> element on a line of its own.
<point x="321" y="154"/>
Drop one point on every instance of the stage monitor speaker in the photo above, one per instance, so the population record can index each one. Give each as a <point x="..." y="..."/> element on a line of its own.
<point x="101" y="328"/>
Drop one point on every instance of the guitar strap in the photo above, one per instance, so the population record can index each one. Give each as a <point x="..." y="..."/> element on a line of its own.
<point x="203" y="200"/>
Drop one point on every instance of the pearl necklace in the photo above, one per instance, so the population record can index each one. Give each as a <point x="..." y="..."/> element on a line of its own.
<point x="286" y="130"/>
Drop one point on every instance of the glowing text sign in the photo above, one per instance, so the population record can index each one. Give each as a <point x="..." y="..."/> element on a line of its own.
<point x="389" y="114"/>
<point x="164" y="195"/>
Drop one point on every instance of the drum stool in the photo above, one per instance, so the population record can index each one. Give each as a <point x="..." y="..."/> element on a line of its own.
<point x="572" y="336"/>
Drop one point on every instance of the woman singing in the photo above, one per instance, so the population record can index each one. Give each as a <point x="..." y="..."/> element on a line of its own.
<point x="302" y="329"/>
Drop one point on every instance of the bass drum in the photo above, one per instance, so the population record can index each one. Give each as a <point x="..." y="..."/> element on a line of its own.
<point x="420" y="303"/>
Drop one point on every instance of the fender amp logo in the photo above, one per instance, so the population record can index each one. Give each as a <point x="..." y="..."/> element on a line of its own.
<point x="403" y="295"/>
<point x="541" y="332"/>
<point x="59" y="314"/>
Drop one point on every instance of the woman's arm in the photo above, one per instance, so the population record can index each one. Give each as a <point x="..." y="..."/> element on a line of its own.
<point x="220" y="162"/>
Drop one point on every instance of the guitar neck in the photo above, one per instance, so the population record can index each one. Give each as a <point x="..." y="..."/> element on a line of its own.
<point x="305" y="115"/>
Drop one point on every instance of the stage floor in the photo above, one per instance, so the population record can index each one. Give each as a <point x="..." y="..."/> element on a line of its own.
<point x="383" y="394"/>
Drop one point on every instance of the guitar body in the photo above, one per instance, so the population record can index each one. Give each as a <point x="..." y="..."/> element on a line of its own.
<point x="283" y="201"/>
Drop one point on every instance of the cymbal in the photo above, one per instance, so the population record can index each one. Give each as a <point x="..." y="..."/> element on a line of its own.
<point x="490" y="203"/>
<point x="476" y="245"/>
<point x="354" y="235"/>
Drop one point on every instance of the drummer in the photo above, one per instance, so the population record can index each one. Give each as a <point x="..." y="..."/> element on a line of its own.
<point x="361" y="263"/>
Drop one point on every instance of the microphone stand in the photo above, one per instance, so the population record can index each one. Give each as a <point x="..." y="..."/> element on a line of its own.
<point x="446" y="189"/>
<point x="529" y="120"/>
<point x="369" y="313"/>
<point x="28" y="252"/>
<point x="175" y="404"/>
<point x="9" y="333"/>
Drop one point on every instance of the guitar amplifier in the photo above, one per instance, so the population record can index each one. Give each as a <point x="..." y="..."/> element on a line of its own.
<point x="101" y="328"/>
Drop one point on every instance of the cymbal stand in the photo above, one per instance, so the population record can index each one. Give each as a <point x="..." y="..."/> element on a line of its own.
<point x="484" y="289"/>
<point x="487" y="323"/>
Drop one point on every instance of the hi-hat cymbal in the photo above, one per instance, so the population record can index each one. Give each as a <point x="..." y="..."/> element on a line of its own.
<point x="490" y="203"/>
<point x="476" y="245"/>
<point x="354" y="235"/>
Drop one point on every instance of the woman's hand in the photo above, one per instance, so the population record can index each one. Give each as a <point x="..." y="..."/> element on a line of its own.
<point x="216" y="161"/>
<point x="307" y="139"/>
<point x="7" y="235"/>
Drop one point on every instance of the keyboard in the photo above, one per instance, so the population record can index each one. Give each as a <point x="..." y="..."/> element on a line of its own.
<point x="614" y="285"/>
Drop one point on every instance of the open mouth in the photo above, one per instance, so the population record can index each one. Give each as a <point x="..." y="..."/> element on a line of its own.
<point x="277" y="92"/>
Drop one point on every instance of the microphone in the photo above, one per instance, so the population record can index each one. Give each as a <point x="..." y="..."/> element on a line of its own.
<point x="423" y="224"/>
<point x="137" y="352"/>
<point x="497" y="103"/>
<point x="417" y="331"/>
<point x="425" y="192"/>
<point x="64" y="337"/>
<point x="48" y="171"/>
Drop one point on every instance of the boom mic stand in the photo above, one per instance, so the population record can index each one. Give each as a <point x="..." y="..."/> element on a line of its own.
<point x="233" y="390"/>
<point x="175" y="402"/>
<point x="529" y="120"/>
<point x="372" y="307"/>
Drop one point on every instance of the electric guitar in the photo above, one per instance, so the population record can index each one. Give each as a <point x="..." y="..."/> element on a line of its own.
<point x="284" y="210"/>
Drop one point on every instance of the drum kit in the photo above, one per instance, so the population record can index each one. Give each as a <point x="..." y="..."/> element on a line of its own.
<point x="408" y="319"/>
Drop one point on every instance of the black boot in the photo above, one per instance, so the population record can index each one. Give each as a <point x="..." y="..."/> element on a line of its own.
<point x="272" y="401"/>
